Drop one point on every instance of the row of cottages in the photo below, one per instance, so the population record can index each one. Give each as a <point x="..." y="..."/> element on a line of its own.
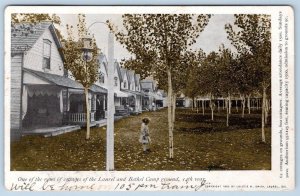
<point x="254" y="102"/>
<point x="153" y="98"/>
<point x="44" y="95"/>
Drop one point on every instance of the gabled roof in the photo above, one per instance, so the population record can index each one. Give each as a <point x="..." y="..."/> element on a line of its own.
<point x="117" y="66"/>
<point x="130" y="74"/>
<point x="123" y="72"/>
<point x="137" y="78"/>
<point x="103" y="60"/>
<point x="24" y="35"/>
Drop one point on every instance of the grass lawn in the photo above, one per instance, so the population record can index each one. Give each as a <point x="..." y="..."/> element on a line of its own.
<point x="199" y="144"/>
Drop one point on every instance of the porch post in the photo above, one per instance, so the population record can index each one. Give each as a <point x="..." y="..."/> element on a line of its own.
<point x="104" y="102"/>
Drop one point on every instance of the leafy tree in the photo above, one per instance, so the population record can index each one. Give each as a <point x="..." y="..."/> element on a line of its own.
<point x="251" y="35"/>
<point x="161" y="39"/>
<point x="84" y="72"/>
<point x="227" y="84"/>
<point x="195" y="60"/>
<point x="210" y="79"/>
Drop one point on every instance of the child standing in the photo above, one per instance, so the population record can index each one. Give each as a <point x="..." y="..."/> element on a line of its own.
<point x="144" y="135"/>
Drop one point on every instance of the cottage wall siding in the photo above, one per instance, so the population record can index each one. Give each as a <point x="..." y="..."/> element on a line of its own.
<point x="33" y="59"/>
<point x="15" y="102"/>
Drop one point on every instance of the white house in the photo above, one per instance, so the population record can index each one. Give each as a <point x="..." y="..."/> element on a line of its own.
<point x="38" y="82"/>
<point x="120" y="96"/>
<point x="131" y="86"/>
<point x="149" y="88"/>
<point x="101" y="98"/>
<point x="138" y="92"/>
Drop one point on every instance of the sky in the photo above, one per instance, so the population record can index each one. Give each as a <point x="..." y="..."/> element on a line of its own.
<point x="209" y="40"/>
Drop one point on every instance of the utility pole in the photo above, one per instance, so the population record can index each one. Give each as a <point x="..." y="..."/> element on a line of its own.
<point x="110" y="105"/>
<point x="110" y="102"/>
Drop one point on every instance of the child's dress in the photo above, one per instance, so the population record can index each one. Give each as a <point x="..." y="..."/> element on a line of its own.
<point x="144" y="134"/>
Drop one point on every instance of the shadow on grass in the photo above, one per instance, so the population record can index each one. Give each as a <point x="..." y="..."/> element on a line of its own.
<point x="250" y="121"/>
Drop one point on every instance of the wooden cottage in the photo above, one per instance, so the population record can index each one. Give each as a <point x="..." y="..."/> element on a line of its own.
<point x="38" y="79"/>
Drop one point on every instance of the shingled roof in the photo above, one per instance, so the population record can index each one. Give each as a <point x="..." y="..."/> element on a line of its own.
<point x="24" y="35"/>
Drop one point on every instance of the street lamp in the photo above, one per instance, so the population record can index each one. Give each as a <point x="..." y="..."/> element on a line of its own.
<point x="110" y="102"/>
<point x="87" y="49"/>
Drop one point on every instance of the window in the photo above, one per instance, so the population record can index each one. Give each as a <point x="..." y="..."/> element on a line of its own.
<point x="101" y="77"/>
<point x="116" y="81"/>
<point x="46" y="54"/>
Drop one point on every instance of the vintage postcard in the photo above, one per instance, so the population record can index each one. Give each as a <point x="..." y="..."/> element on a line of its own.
<point x="149" y="98"/>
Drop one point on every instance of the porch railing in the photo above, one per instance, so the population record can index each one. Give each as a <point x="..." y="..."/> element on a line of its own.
<point x="80" y="117"/>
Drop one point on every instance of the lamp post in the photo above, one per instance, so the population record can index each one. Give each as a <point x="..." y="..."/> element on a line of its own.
<point x="110" y="102"/>
<point x="87" y="48"/>
<point x="87" y="57"/>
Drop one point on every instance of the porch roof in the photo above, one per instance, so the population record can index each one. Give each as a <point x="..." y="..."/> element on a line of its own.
<point x="98" y="89"/>
<point x="56" y="79"/>
<point x="63" y="81"/>
<point x="131" y="92"/>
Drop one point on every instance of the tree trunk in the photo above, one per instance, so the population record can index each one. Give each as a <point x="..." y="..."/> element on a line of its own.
<point x="263" y="136"/>
<point x="218" y="106"/>
<point x="243" y="101"/>
<point x="170" y="120"/>
<point x="249" y="104"/>
<point x="236" y="105"/>
<point x="192" y="103"/>
<point x="173" y="112"/>
<point x="227" y="112"/>
<point x="202" y="107"/>
<point x="86" y="92"/>
<point x="211" y="107"/>
<point x="266" y="110"/>
<point x="229" y="103"/>
<point x="197" y="104"/>
<point x="212" y="114"/>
